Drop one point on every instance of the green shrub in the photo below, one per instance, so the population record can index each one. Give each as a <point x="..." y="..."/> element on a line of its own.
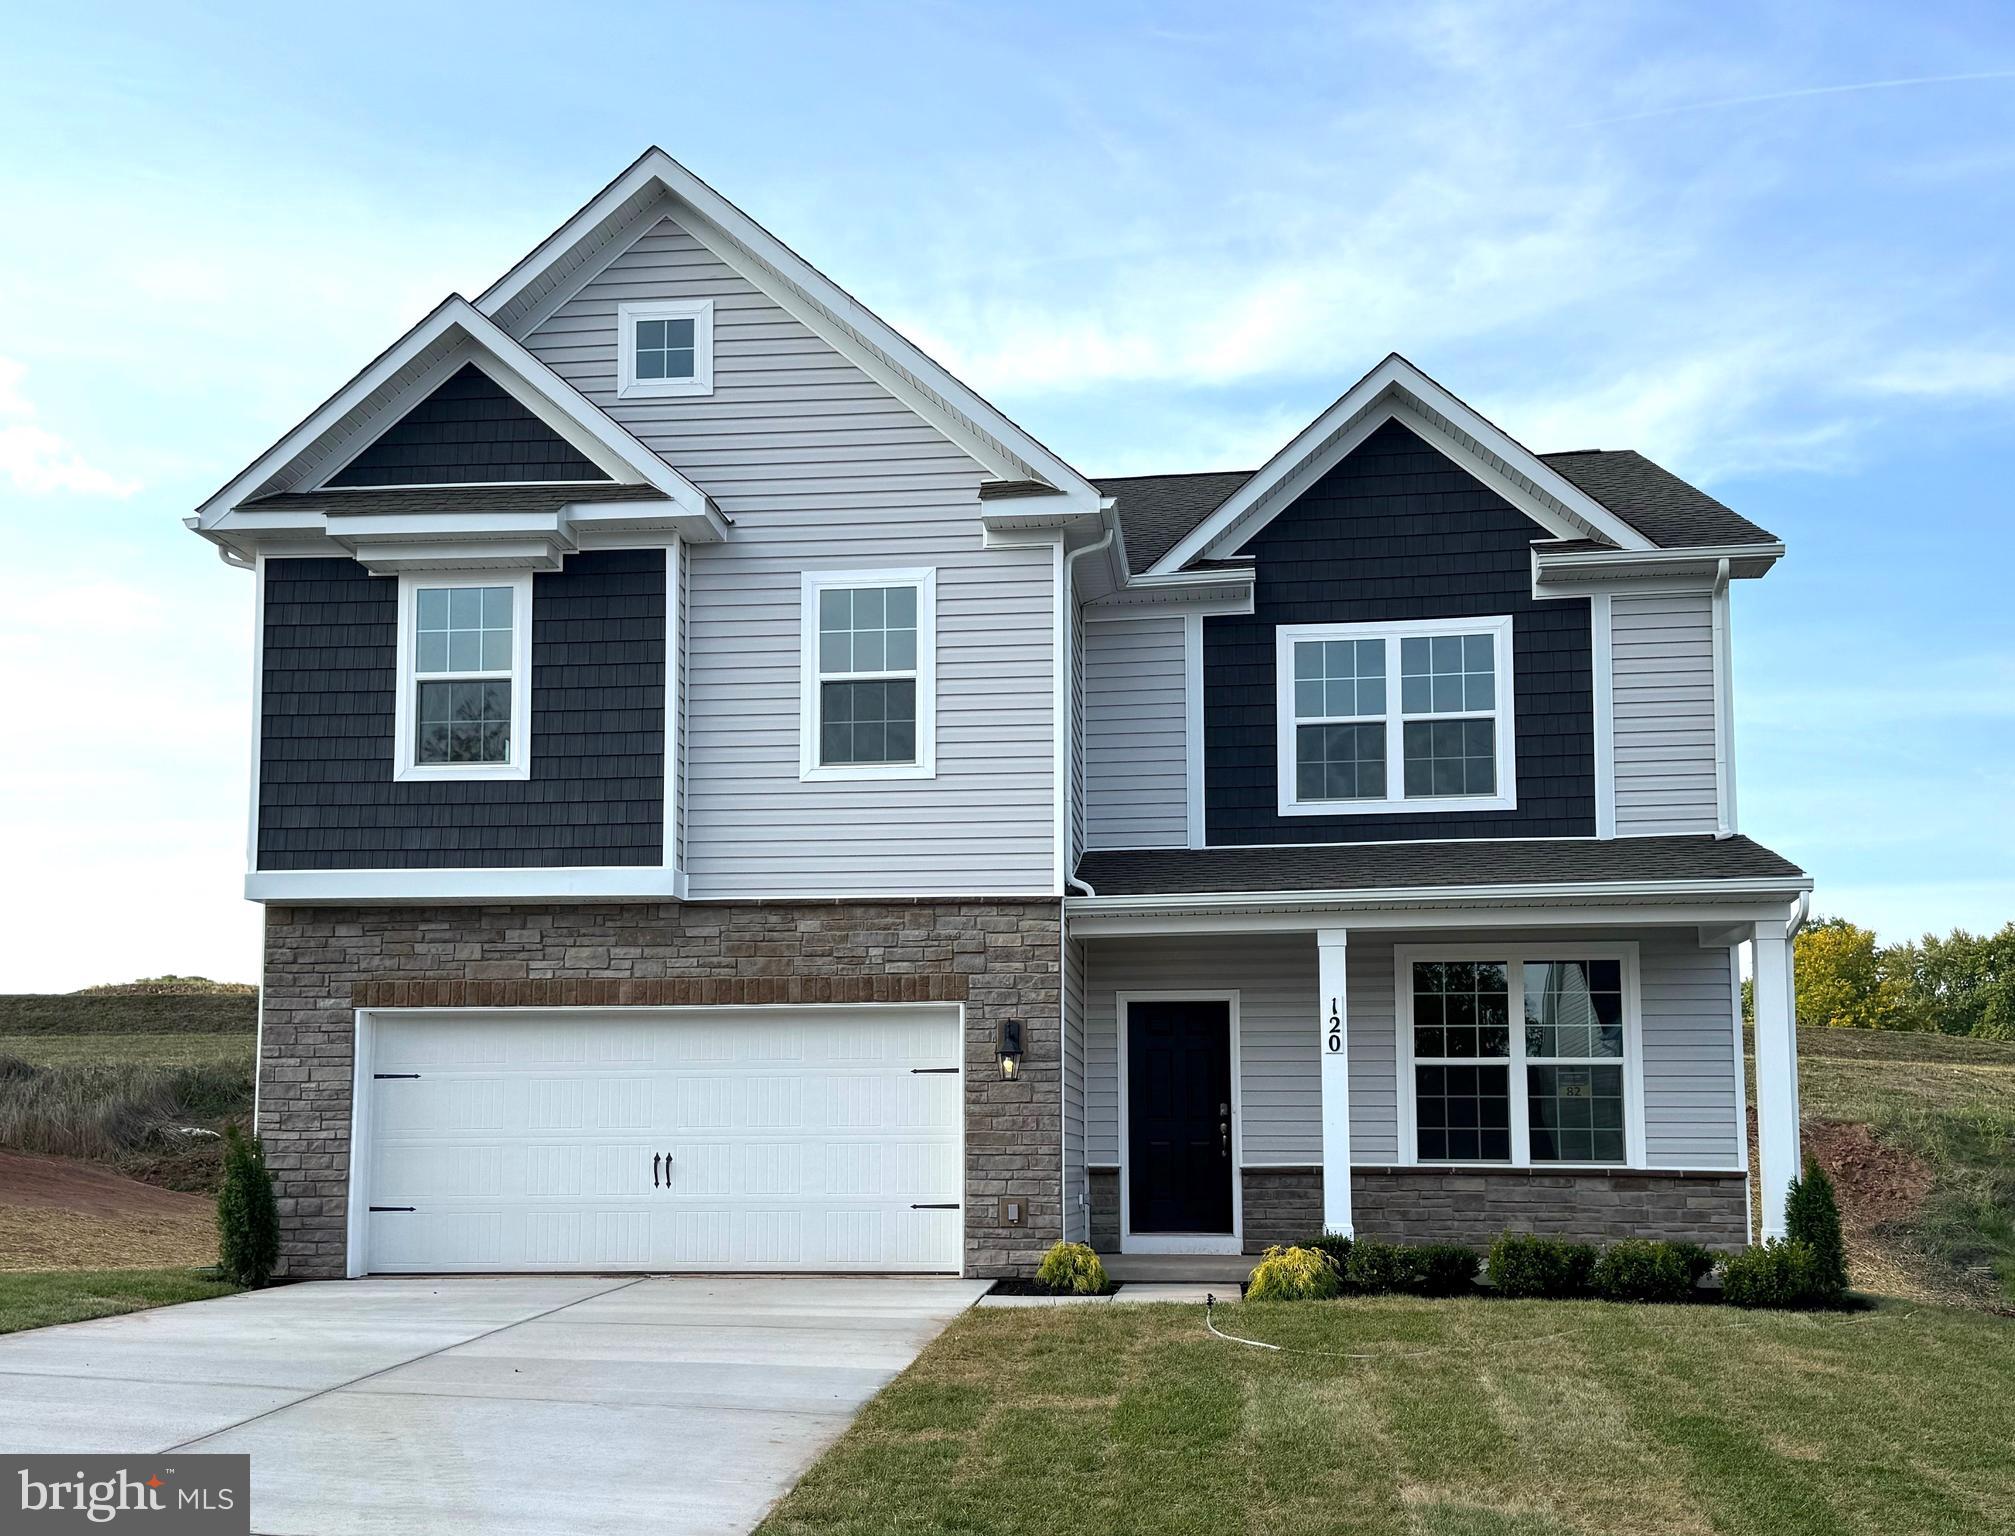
<point x="1812" y="1217"/>
<point x="1776" y="1274"/>
<point x="1333" y="1246"/>
<point x="1638" y="1270"/>
<point x="1071" y="1269"/>
<point x="1292" y="1274"/>
<point x="248" y="1217"/>
<point x="1444" y="1269"/>
<point x="1523" y="1265"/>
<point x="1376" y="1268"/>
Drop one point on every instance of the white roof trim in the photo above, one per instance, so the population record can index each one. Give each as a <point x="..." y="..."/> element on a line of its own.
<point x="860" y="335"/>
<point x="531" y="382"/>
<point x="1622" y="892"/>
<point x="1395" y="388"/>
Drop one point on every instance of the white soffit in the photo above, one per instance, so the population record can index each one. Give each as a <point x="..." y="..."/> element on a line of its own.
<point x="655" y="186"/>
<point x="1396" y="390"/>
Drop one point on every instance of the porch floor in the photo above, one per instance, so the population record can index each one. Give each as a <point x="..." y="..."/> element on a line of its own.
<point x="1178" y="1268"/>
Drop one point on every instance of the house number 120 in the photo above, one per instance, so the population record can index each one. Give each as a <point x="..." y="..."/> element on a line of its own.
<point x="1335" y="1039"/>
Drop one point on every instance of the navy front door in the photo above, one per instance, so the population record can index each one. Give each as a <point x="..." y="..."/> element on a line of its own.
<point x="1178" y="1085"/>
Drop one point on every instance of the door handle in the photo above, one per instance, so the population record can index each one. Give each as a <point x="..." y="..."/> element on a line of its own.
<point x="668" y="1170"/>
<point x="654" y="1170"/>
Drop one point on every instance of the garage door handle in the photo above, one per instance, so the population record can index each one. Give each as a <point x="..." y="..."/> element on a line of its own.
<point x="654" y="1170"/>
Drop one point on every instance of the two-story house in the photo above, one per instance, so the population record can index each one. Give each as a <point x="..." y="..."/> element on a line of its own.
<point x="725" y="797"/>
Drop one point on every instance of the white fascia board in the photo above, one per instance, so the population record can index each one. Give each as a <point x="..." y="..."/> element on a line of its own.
<point x="863" y="337"/>
<point x="1628" y="569"/>
<point x="1212" y="593"/>
<point x="536" y="386"/>
<point x="364" y="886"/>
<point x="1378" y="395"/>
<point x="1620" y="894"/>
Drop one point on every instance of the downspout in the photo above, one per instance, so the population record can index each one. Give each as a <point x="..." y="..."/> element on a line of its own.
<point x="1724" y="709"/>
<point x="1071" y="786"/>
<point x="1070" y="561"/>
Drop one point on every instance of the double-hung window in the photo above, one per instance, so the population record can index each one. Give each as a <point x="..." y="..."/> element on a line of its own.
<point x="1520" y="1057"/>
<point x="869" y="671"/>
<point x="1412" y="716"/>
<point x="664" y="347"/>
<point x="465" y="665"/>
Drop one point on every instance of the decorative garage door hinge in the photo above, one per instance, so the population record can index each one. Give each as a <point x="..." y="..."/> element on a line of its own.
<point x="381" y="1076"/>
<point x="949" y="1205"/>
<point x="917" y="1071"/>
<point x="392" y="1207"/>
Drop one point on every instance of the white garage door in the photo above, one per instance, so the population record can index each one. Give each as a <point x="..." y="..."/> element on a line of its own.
<point x="759" y="1139"/>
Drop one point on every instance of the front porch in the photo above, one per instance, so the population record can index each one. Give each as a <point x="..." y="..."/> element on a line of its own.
<point x="1569" y="1073"/>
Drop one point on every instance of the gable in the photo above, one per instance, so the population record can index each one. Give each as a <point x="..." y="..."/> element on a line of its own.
<point x="654" y="186"/>
<point x="470" y="430"/>
<point x="1398" y="531"/>
<point x="790" y="421"/>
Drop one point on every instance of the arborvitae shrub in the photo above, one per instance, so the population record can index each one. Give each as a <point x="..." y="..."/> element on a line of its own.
<point x="248" y="1217"/>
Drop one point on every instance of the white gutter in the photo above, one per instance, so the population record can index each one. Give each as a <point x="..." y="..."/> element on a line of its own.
<point x="1068" y="678"/>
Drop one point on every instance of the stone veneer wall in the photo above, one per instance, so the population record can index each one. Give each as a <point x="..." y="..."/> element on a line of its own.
<point x="1422" y="1205"/>
<point x="998" y="958"/>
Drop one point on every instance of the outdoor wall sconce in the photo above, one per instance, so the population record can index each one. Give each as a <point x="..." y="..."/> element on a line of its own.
<point x="1010" y="1048"/>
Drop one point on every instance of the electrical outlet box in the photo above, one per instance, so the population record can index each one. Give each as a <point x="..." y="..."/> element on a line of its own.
<point x="1014" y="1211"/>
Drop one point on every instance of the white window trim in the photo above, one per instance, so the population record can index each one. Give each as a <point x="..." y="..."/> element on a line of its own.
<point x="404" y="768"/>
<point x="1515" y="956"/>
<point x="1286" y="636"/>
<point x="700" y="312"/>
<point x="925" y="580"/>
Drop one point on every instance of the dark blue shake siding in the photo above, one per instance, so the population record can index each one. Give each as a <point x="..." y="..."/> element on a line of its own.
<point x="327" y="799"/>
<point x="1397" y="531"/>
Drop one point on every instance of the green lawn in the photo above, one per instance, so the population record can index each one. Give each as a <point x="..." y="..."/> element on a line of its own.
<point x="70" y="1296"/>
<point x="1464" y="1418"/>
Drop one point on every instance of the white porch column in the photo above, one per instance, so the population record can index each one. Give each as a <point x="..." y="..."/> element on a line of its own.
<point x="1776" y="1073"/>
<point x="1335" y="1016"/>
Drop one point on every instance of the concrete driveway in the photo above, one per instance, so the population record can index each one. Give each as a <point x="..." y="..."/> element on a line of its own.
<point x="486" y="1405"/>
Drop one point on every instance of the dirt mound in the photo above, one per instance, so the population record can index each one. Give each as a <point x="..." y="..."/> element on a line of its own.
<point x="59" y="1214"/>
<point x="1876" y="1184"/>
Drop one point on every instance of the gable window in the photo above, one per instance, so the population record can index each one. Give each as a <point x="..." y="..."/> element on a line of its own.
<point x="1519" y="1058"/>
<point x="869" y="675"/>
<point x="665" y="347"/>
<point x="464" y="677"/>
<point x="1412" y="716"/>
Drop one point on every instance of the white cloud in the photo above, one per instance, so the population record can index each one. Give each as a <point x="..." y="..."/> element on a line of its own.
<point x="39" y="461"/>
<point x="1951" y="372"/>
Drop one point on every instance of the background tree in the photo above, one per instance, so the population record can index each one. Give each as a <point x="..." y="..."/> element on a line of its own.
<point x="1847" y="980"/>
<point x="1963" y="984"/>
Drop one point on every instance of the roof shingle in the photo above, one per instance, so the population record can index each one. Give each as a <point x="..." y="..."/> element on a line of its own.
<point x="1400" y="866"/>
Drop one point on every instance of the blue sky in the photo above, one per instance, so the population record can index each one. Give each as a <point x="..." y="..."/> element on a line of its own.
<point x="1766" y="244"/>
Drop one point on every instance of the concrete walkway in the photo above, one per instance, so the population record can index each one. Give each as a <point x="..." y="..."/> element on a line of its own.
<point x="522" y="1404"/>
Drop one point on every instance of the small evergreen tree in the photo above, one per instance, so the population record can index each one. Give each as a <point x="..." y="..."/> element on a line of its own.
<point x="248" y="1217"/>
<point x="1812" y="1217"/>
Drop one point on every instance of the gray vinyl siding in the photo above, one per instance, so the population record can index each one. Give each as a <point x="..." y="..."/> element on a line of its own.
<point x="820" y="468"/>
<point x="1078" y="813"/>
<point x="1076" y="1213"/>
<point x="1690" y="1082"/>
<point x="1136" y="762"/>
<point x="1662" y="663"/>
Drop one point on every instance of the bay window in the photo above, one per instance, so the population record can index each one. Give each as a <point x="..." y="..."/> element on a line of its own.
<point x="1519" y="1057"/>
